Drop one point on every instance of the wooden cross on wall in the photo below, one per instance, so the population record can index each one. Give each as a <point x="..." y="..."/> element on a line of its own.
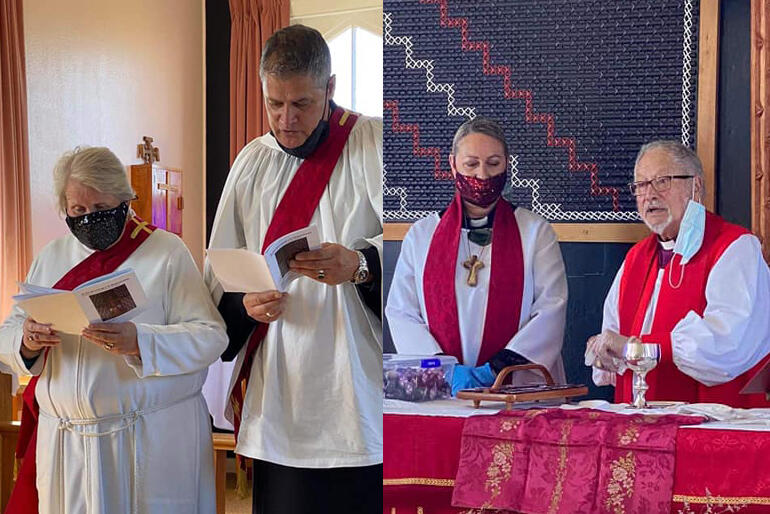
<point x="147" y="152"/>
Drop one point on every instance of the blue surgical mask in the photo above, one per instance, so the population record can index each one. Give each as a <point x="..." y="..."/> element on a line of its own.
<point x="690" y="237"/>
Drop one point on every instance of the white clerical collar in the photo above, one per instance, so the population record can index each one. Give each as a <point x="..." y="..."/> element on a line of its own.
<point x="667" y="245"/>
<point x="476" y="223"/>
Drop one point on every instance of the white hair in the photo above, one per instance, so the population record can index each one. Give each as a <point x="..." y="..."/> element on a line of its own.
<point x="95" y="167"/>
<point x="679" y="153"/>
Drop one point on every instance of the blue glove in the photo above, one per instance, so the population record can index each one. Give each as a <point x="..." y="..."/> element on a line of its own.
<point x="466" y="377"/>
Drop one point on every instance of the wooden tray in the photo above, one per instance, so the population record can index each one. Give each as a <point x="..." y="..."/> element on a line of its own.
<point x="517" y="394"/>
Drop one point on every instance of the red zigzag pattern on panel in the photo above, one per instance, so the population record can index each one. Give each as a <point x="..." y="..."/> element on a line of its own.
<point x="529" y="112"/>
<point x="414" y="129"/>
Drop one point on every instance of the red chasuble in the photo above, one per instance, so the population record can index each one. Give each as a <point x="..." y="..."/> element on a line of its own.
<point x="506" y="282"/>
<point x="294" y="212"/>
<point x="640" y="270"/>
<point x="24" y="498"/>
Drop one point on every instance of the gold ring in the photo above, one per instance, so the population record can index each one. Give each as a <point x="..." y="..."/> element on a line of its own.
<point x="269" y="315"/>
<point x="598" y="364"/>
<point x="109" y="346"/>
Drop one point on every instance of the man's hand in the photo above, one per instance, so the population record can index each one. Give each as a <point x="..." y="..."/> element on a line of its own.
<point x="331" y="264"/>
<point x="607" y="348"/>
<point x="265" y="306"/>
<point x="117" y="338"/>
<point x="36" y="337"/>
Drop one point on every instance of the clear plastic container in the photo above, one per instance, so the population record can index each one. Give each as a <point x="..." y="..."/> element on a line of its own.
<point x="417" y="378"/>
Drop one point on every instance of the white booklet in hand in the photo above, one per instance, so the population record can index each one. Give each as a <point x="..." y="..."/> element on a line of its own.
<point x="242" y="271"/>
<point x="114" y="298"/>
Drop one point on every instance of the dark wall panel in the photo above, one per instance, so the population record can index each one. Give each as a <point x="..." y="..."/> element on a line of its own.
<point x="217" y="104"/>
<point x="734" y="104"/>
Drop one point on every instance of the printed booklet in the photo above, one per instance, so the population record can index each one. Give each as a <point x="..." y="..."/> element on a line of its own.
<point x="114" y="298"/>
<point x="243" y="271"/>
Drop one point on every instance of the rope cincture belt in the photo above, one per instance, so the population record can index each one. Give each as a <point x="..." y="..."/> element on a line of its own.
<point x="130" y="419"/>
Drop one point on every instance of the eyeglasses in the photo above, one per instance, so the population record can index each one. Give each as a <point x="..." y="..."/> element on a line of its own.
<point x="659" y="184"/>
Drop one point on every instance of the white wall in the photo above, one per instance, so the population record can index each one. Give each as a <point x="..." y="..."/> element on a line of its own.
<point x="106" y="73"/>
<point x="334" y="16"/>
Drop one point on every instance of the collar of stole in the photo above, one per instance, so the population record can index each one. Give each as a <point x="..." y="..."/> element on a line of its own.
<point x="24" y="498"/>
<point x="294" y="211"/>
<point x="506" y="282"/>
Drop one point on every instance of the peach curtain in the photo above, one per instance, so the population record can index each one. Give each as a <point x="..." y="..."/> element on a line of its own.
<point x="252" y="23"/>
<point x="15" y="222"/>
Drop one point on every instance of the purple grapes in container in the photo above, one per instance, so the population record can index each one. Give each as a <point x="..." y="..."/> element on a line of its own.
<point x="417" y="379"/>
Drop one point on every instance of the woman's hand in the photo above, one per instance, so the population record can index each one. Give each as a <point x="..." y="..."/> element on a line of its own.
<point x="117" y="338"/>
<point x="37" y="337"/>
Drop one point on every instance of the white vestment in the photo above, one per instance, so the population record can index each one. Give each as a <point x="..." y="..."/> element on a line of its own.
<point x="314" y="398"/>
<point x="543" y="305"/>
<point x="118" y="434"/>
<point x="733" y="334"/>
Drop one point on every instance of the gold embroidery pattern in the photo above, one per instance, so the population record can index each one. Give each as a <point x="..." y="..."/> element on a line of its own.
<point x="435" y="482"/>
<point x="139" y="227"/>
<point x="629" y="436"/>
<point x="621" y="484"/>
<point x="508" y="425"/>
<point x="717" y="504"/>
<point x="593" y="415"/>
<point x="561" y="472"/>
<point x="499" y="470"/>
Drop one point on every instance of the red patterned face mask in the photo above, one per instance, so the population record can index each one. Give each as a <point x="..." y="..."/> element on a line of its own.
<point x="480" y="192"/>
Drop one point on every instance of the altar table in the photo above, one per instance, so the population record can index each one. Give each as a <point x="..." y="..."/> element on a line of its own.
<point x="719" y="466"/>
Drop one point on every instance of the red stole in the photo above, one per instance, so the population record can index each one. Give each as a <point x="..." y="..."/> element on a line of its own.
<point x="294" y="211"/>
<point x="24" y="498"/>
<point x="506" y="282"/>
<point x="640" y="271"/>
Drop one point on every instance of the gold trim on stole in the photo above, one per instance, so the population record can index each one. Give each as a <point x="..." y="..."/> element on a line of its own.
<point x="724" y="500"/>
<point x="435" y="482"/>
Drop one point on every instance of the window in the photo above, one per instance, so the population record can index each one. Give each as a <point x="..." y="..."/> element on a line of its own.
<point x="357" y="63"/>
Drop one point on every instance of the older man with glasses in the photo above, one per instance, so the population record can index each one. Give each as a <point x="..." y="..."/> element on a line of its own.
<point x="698" y="286"/>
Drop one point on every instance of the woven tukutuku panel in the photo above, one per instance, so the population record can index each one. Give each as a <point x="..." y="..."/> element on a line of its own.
<point x="578" y="87"/>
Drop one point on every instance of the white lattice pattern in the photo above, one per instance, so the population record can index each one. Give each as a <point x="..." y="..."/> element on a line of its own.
<point x="687" y="59"/>
<point x="550" y="211"/>
<point x="411" y="63"/>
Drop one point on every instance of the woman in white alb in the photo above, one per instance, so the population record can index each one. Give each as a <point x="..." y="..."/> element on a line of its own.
<point x="122" y="424"/>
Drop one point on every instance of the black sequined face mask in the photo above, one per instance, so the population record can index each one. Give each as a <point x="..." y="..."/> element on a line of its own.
<point x="101" y="229"/>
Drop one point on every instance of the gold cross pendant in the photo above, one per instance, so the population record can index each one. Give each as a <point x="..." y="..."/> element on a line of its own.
<point x="473" y="264"/>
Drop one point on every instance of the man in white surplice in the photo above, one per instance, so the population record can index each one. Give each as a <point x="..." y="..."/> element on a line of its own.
<point x="312" y="412"/>
<point x="479" y="162"/>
